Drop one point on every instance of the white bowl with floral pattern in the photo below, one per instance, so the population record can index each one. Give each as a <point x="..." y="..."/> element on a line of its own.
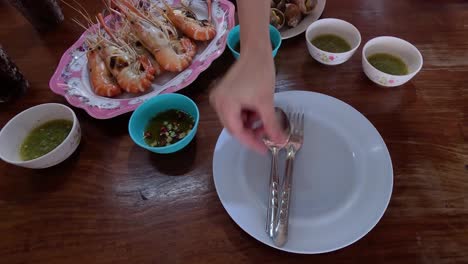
<point x="396" y="47"/>
<point x="336" y="27"/>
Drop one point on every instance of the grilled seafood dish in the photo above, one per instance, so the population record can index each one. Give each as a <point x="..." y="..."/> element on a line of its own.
<point x="290" y="13"/>
<point x="147" y="39"/>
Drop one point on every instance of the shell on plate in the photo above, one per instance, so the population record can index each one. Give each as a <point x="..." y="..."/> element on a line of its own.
<point x="278" y="4"/>
<point x="306" y="6"/>
<point x="273" y="4"/>
<point x="277" y="18"/>
<point x="293" y="15"/>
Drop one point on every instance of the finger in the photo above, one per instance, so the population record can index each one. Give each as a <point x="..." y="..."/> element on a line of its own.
<point x="271" y="124"/>
<point x="245" y="118"/>
<point x="234" y="124"/>
<point x="251" y="119"/>
<point x="259" y="132"/>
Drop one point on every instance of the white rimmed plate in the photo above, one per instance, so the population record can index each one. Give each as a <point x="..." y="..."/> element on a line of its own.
<point x="342" y="183"/>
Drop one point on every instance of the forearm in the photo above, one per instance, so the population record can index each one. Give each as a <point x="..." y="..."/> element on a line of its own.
<point x="254" y="18"/>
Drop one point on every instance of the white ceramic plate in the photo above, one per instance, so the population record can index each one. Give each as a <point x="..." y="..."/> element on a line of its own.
<point x="342" y="180"/>
<point x="288" y="32"/>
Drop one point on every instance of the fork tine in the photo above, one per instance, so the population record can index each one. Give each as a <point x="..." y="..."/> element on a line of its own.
<point x="298" y="122"/>
<point x="293" y="124"/>
<point x="290" y="116"/>
<point x="302" y="123"/>
<point x="294" y="121"/>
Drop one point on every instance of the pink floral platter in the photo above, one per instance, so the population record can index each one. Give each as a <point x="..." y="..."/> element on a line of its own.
<point x="71" y="78"/>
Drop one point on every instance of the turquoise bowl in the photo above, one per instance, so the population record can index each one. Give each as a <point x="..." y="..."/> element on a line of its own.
<point x="146" y="111"/>
<point x="234" y="38"/>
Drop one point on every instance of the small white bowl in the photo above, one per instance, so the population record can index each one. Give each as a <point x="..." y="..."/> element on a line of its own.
<point x="397" y="47"/>
<point x="15" y="131"/>
<point x="337" y="27"/>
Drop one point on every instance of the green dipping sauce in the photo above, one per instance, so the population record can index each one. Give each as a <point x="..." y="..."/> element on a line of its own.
<point x="167" y="128"/>
<point x="331" y="43"/>
<point x="44" y="138"/>
<point x="388" y="63"/>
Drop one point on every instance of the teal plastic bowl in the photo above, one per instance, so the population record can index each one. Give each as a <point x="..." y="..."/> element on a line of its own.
<point x="145" y="112"/>
<point x="234" y="38"/>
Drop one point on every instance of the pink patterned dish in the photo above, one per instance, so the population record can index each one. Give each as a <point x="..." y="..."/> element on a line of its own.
<point x="71" y="76"/>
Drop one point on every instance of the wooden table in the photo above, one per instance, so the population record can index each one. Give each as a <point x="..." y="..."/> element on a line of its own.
<point x="113" y="202"/>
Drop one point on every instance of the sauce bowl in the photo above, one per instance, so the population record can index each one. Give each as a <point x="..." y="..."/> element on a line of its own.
<point x="234" y="39"/>
<point x="149" y="109"/>
<point x="396" y="47"/>
<point x="336" y="27"/>
<point x="17" y="129"/>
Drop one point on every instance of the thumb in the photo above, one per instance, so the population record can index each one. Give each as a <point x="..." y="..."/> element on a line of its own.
<point x="271" y="125"/>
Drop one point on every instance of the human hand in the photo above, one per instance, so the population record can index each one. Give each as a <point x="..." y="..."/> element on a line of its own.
<point x="244" y="96"/>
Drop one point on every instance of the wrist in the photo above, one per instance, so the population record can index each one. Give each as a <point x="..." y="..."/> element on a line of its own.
<point x="256" y="42"/>
<point x="257" y="63"/>
<point x="259" y="52"/>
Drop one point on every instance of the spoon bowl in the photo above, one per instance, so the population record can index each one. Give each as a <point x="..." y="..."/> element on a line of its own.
<point x="284" y="124"/>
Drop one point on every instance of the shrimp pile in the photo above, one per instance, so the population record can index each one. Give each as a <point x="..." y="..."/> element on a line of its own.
<point x="150" y="37"/>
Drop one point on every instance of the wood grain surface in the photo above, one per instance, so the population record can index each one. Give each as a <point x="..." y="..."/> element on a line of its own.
<point x="113" y="202"/>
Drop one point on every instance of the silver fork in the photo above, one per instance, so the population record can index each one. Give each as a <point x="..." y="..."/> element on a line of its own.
<point x="295" y="142"/>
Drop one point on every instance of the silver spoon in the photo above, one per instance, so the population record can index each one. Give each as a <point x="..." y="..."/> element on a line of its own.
<point x="274" y="176"/>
